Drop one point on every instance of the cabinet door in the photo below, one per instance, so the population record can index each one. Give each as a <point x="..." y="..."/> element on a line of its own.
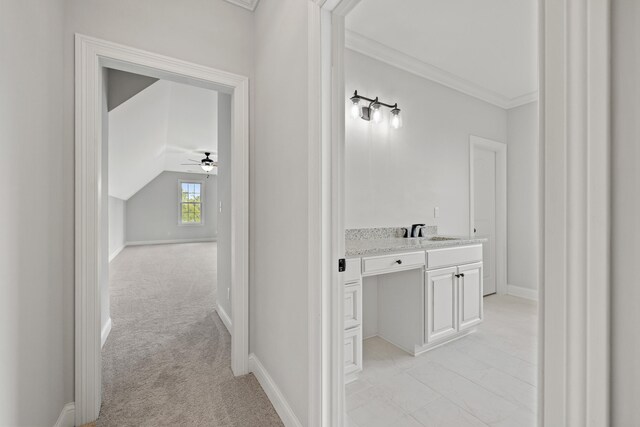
<point x="441" y="308"/>
<point x="470" y="294"/>
<point x="352" y="305"/>
<point x="352" y="350"/>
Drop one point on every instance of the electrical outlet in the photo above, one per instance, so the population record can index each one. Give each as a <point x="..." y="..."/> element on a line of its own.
<point x="436" y="212"/>
<point x="220" y="206"/>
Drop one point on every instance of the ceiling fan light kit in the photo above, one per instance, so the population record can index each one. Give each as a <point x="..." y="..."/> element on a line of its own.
<point x="207" y="164"/>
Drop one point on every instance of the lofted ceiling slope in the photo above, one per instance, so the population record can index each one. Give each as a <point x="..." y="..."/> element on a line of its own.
<point x="160" y="128"/>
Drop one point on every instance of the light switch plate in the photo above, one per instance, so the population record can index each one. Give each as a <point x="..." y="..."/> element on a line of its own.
<point x="436" y="212"/>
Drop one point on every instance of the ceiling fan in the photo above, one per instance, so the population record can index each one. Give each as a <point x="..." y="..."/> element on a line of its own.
<point x="207" y="164"/>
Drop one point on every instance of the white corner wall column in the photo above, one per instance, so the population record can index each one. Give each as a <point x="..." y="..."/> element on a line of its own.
<point x="91" y="55"/>
<point x="575" y="295"/>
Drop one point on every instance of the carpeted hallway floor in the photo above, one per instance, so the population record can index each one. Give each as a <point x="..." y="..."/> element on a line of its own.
<point x="167" y="359"/>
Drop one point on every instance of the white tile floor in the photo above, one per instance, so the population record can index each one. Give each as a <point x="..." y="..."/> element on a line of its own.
<point x="484" y="379"/>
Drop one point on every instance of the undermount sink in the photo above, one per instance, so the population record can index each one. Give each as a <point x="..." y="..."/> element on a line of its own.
<point x="442" y="238"/>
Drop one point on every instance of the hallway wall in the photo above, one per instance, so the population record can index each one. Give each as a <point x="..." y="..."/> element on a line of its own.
<point x="279" y="200"/>
<point x="36" y="222"/>
<point x="224" y="200"/>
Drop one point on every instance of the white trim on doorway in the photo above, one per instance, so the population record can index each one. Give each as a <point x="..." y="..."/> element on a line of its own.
<point x="91" y="56"/>
<point x="500" y="149"/>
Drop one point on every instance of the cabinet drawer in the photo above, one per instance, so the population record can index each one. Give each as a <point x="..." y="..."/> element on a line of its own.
<point x="352" y="271"/>
<point x="453" y="256"/>
<point x="391" y="263"/>
<point x="352" y="350"/>
<point x="352" y="305"/>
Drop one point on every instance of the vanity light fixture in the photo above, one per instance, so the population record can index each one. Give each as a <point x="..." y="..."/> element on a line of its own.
<point x="372" y="111"/>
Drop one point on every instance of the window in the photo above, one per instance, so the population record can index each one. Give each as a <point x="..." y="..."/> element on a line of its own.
<point x="191" y="203"/>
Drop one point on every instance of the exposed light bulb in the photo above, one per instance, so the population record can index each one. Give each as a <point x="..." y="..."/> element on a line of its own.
<point x="355" y="108"/>
<point x="396" y="120"/>
<point x="376" y="113"/>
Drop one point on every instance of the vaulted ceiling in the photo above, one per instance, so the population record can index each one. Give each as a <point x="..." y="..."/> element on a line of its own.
<point x="487" y="48"/>
<point x="160" y="128"/>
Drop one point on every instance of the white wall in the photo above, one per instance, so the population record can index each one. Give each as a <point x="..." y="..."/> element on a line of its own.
<point x="625" y="213"/>
<point x="396" y="177"/>
<point x="224" y="197"/>
<point x="36" y="256"/>
<point x="105" y="302"/>
<point x="213" y="33"/>
<point x="279" y="197"/>
<point x="523" y="214"/>
<point x="116" y="224"/>
<point x="137" y="139"/>
<point x="152" y="213"/>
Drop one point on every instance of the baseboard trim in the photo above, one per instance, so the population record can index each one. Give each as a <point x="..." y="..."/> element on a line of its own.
<point x="519" y="291"/>
<point x="170" y="241"/>
<point x="116" y="252"/>
<point x="225" y="318"/>
<point x="106" y="330"/>
<point x="67" y="417"/>
<point x="273" y="393"/>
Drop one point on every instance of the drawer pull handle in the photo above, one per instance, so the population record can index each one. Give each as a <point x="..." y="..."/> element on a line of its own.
<point x="399" y="262"/>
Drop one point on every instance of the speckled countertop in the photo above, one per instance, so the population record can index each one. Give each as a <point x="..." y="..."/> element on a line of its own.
<point x="372" y="247"/>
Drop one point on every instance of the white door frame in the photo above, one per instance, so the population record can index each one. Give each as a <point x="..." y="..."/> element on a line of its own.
<point x="574" y="170"/>
<point x="501" y="203"/>
<point x="91" y="56"/>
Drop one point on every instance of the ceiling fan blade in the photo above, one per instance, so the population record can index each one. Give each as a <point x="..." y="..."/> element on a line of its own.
<point x="189" y="164"/>
<point x="192" y="160"/>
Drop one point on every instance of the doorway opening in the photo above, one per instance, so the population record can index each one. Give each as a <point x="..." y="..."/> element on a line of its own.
<point x="421" y="342"/>
<point x="488" y="209"/>
<point x="93" y="58"/>
<point x="166" y="291"/>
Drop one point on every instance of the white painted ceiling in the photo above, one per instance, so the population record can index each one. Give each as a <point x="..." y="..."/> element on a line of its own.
<point x="160" y="129"/>
<point x="488" y="48"/>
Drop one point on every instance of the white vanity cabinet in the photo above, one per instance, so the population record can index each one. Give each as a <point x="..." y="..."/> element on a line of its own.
<point x="424" y="299"/>
<point x="453" y="300"/>
<point x="352" y="308"/>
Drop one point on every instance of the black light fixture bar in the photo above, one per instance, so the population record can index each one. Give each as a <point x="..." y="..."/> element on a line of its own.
<point x="372" y="101"/>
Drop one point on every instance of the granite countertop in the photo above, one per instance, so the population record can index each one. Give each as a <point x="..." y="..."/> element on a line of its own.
<point x="381" y="246"/>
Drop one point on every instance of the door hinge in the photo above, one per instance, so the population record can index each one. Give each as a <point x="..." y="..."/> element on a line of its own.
<point x="342" y="265"/>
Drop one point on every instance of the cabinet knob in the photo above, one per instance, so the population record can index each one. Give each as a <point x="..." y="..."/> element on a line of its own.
<point x="461" y="274"/>
<point x="457" y="275"/>
<point x="399" y="262"/>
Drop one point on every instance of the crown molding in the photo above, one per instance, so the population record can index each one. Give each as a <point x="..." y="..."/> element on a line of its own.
<point x="246" y="4"/>
<point x="381" y="52"/>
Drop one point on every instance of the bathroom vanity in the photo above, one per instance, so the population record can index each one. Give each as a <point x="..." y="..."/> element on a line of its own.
<point x="428" y="291"/>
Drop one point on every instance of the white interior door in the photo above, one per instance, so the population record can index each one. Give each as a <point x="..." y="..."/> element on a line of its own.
<point x="484" y="211"/>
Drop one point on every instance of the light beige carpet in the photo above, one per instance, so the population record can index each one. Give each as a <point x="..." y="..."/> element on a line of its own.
<point x="167" y="359"/>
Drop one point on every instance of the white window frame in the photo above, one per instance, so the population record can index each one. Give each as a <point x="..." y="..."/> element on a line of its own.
<point x="202" y="200"/>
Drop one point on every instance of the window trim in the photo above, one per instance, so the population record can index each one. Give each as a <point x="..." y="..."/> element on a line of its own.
<point x="202" y="201"/>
